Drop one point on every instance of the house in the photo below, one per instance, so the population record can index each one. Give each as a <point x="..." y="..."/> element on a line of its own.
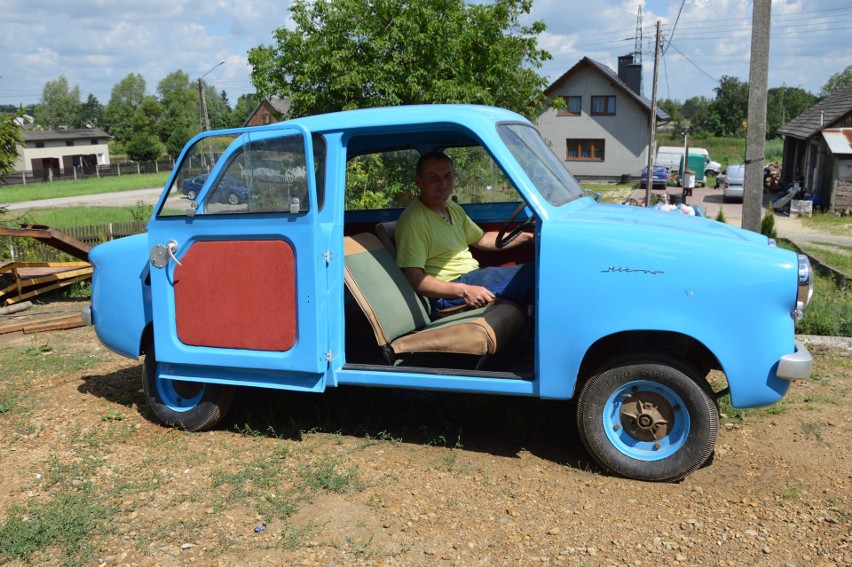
<point x="269" y="111"/>
<point x="603" y="130"/>
<point x="818" y="151"/>
<point x="53" y="153"/>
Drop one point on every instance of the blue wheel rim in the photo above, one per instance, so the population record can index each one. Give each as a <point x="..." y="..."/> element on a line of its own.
<point x="178" y="395"/>
<point x="656" y="431"/>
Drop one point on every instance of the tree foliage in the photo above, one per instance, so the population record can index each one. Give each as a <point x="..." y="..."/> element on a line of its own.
<point x="59" y="105"/>
<point x="127" y="95"/>
<point x="144" y="144"/>
<point x="346" y="54"/>
<point x="730" y="106"/>
<point x="783" y="104"/>
<point x="11" y="136"/>
<point x="837" y="81"/>
<point x="178" y="120"/>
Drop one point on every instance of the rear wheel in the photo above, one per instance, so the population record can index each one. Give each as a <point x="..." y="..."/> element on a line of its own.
<point x="193" y="406"/>
<point x="648" y="419"/>
<point x="233" y="198"/>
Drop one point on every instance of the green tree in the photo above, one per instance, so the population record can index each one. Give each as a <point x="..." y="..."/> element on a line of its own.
<point x="127" y="95"/>
<point x="59" y="105"/>
<point x="144" y="144"/>
<point x="730" y="108"/>
<point x="178" y="121"/>
<point x="673" y="109"/>
<point x="783" y="104"/>
<point x="837" y="81"/>
<point x="91" y="113"/>
<point x="218" y="110"/>
<point x="11" y="136"/>
<point x="345" y="54"/>
<point x="243" y="108"/>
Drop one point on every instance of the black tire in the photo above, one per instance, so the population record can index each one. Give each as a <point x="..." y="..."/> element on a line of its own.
<point x="630" y="418"/>
<point x="233" y="198"/>
<point x="192" y="406"/>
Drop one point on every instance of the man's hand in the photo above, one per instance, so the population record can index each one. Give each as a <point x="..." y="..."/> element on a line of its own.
<point x="488" y="241"/>
<point x="476" y="296"/>
<point x="426" y="285"/>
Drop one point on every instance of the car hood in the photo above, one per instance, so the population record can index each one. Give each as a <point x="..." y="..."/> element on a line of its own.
<point x="625" y="218"/>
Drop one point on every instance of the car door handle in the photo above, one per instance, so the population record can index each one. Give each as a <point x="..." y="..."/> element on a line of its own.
<point x="161" y="254"/>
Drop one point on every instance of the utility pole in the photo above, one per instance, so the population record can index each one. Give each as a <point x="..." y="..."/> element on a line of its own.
<point x="756" y="128"/>
<point x="652" y="129"/>
<point x="203" y="117"/>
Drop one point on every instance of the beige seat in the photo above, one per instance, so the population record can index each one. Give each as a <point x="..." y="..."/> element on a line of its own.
<point x="399" y="320"/>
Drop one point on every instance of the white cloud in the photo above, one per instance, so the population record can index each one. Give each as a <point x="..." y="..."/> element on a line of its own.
<point x="95" y="43"/>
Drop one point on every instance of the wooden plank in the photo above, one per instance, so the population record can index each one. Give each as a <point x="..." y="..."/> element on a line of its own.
<point x="54" y="324"/>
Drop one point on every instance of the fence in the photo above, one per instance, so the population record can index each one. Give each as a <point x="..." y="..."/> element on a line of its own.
<point x="28" y="250"/>
<point x="116" y="168"/>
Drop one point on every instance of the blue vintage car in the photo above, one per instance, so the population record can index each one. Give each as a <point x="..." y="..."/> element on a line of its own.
<point x="297" y="288"/>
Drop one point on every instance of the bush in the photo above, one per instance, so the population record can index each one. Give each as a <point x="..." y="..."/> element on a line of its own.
<point x="767" y="225"/>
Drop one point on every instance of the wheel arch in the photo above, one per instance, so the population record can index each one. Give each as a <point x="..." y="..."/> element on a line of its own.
<point x="635" y="343"/>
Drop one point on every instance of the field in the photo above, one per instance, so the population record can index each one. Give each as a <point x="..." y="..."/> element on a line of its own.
<point x="383" y="477"/>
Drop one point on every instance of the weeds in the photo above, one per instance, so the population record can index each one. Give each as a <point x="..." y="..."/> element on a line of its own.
<point x="812" y="429"/>
<point x="325" y="475"/>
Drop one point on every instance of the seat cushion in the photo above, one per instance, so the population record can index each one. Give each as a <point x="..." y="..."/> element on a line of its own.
<point x="479" y="332"/>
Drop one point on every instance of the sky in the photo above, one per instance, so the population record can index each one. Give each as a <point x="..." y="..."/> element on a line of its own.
<point x="96" y="43"/>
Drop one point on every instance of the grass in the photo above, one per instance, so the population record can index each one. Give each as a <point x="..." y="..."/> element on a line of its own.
<point x="71" y="187"/>
<point x="65" y="217"/>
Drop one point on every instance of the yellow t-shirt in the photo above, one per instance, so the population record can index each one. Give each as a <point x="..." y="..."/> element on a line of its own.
<point x="424" y="239"/>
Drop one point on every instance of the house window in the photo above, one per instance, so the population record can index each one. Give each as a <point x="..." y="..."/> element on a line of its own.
<point x="39" y="144"/>
<point x="584" y="149"/>
<point x="95" y="142"/>
<point x="69" y="143"/>
<point x="572" y="106"/>
<point x="603" y="105"/>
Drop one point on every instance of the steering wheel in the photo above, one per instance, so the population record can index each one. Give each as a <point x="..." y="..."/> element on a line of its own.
<point x="504" y="239"/>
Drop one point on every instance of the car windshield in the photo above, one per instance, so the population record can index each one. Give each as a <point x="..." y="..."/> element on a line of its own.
<point x="551" y="178"/>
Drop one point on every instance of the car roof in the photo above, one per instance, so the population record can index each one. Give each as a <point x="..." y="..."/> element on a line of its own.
<point x="414" y="123"/>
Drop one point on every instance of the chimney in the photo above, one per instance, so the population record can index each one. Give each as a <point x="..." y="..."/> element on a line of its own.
<point x="630" y="73"/>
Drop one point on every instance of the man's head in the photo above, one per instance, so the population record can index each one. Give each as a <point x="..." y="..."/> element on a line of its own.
<point x="435" y="178"/>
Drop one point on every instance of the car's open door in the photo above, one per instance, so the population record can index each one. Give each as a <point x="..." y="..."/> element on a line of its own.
<point x="237" y="276"/>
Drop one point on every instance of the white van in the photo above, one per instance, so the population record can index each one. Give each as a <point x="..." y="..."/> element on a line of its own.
<point x="671" y="155"/>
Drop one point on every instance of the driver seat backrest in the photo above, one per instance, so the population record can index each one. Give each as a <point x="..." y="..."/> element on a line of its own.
<point x="399" y="320"/>
<point x="386" y="231"/>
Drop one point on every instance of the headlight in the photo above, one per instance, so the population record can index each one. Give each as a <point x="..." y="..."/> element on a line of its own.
<point x="806" y="285"/>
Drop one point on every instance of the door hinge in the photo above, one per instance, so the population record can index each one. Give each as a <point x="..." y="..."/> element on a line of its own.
<point x="329" y="356"/>
<point x="327" y="257"/>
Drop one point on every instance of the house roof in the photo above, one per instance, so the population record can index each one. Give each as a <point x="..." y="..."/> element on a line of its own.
<point x="613" y="78"/>
<point x="821" y="115"/>
<point x="48" y="135"/>
<point x="279" y="105"/>
<point x="839" y="140"/>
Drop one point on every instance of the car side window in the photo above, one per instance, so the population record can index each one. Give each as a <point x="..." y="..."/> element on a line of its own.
<point x="264" y="175"/>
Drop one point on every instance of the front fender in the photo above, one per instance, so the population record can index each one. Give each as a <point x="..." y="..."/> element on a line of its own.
<point x="121" y="293"/>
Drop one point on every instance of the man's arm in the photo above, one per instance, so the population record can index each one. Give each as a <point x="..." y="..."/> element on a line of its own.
<point x="428" y="286"/>
<point x="488" y="241"/>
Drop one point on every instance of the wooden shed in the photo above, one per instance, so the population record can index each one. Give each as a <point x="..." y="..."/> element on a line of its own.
<point x="818" y="151"/>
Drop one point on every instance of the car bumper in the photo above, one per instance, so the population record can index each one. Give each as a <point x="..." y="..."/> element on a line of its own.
<point x="86" y="314"/>
<point x="797" y="365"/>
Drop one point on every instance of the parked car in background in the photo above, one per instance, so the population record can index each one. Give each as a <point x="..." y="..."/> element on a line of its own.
<point x="732" y="184"/>
<point x="229" y="190"/>
<point x="659" y="178"/>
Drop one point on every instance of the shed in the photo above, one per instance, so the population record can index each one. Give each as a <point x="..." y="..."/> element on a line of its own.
<point x="818" y="151"/>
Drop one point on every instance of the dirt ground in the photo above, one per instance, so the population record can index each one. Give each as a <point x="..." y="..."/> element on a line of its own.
<point x="378" y="477"/>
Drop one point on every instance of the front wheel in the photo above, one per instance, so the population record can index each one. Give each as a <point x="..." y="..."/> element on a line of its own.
<point x="648" y="419"/>
<point x="193" y="406"/>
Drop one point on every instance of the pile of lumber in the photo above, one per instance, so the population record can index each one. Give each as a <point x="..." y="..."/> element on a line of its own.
<point x="21" y="281"/>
